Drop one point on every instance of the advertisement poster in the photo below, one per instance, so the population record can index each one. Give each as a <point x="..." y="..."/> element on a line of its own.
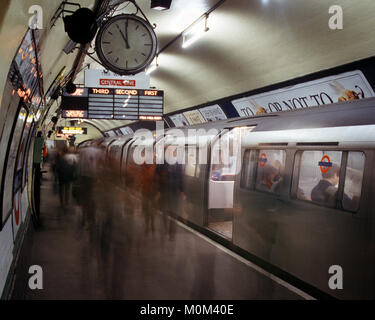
<point x="179" y="120"/>
<point x="11" y="165"/>
<point x="213" y="113"/>
<point x="343" y="87"/>
<point x="194" y="117"/>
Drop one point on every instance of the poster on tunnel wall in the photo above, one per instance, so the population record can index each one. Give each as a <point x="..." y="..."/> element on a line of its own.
<point x="343" y="87"/>
<point x="213" y="113"/>
<point x="194" y="117"/>
<point x="11" y="199"/>
<point x="179" y="120"/>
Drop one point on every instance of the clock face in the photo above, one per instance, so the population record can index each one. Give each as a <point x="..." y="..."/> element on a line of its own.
<point x="126" y="44"/>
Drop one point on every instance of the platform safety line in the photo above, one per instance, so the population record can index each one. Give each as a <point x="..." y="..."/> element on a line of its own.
<point x="246" y="262"/>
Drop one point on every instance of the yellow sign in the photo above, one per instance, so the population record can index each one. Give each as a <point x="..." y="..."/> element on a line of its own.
<point x="73" y="130"/>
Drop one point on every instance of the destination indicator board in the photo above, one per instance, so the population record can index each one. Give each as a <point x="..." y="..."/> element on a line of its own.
<point x="112" y="103"/>
<point x="71" y="130"/>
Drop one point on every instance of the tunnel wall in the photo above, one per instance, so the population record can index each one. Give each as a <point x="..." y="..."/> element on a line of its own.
<point x="17" y="222"/>
<point x="20" y="112"/>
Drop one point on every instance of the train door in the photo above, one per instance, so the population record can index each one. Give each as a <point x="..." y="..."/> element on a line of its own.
<point x="224" y="166"/>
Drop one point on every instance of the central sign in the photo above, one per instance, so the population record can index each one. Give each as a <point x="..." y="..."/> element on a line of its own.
<point x="105" y="79"/>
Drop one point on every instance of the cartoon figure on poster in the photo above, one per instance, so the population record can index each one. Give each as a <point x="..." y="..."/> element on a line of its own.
<point x="259" y="109"/>
<point x="346" y="94"/>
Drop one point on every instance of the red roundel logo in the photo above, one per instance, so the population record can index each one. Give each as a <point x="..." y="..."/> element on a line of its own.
<point x="325" y="164"/>
<point x="17" y="207"/>
<point x="263" y="160"/>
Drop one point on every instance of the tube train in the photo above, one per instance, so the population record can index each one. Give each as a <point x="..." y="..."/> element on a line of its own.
<point x="296" y="196"/>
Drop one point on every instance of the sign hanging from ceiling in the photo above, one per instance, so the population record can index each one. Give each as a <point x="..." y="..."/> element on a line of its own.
<point x="120" y="104"/>
<point x="106" y="79"/>
<point x="343" y="87"/>
<point x="71" y="130"/>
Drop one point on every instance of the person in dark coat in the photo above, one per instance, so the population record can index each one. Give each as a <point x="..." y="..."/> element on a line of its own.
<point x="65" y="174"/>
<point x="325" y="192"/>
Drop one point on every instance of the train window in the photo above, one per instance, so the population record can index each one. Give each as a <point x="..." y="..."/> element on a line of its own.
<point x="174" y="154"/>
<point x="248" y="168"/>
<point x="319" y="177"/>
<point x="353" y="181"/>
<point x="140" y="154"/>
<point x="270" y="170"/>
<point x="131" y="156"/>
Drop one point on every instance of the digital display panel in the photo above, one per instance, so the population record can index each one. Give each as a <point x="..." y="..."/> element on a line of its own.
<point x="74" y="114"/>
<point x="71" y="130"/>
<point x="119" y="104"/>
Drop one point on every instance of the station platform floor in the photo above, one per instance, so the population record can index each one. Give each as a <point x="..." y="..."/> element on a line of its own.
<point x="114" y="256"/>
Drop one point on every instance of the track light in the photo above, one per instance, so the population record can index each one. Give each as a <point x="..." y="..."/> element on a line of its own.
<point x="81" y="26"/>
<point x="161" y="4"/>
<point x="55" y="95"/>
<point x="152" y="67"/>
<point x="195" y="31"/>
<point x="70" y="87"/>
<point x="54" y="119"/>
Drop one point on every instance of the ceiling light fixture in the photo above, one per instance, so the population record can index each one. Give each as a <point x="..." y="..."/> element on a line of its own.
<point x="161" y="4"/>
<point x="195" y="31"/>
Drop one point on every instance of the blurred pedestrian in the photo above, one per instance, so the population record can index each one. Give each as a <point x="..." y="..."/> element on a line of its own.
<point x="66" y="164"/>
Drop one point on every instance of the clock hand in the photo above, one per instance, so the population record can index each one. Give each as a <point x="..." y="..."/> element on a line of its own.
<point x="126" y="30"/>
<point x="125" y="39"/>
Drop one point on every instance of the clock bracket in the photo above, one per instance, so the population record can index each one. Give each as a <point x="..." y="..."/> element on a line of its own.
<point x="112" y="9"/>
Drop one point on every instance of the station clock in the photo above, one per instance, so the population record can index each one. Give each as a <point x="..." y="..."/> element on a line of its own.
<point x="126" y="44"/>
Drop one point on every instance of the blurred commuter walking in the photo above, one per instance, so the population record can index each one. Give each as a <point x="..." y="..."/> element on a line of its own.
<point x="66" y="167"/>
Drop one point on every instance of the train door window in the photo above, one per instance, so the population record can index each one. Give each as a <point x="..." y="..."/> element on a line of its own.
<point x="197" y="170"/>
<point x="270" y="170"/>
<point x="191" y="161"/>
<point x="26" y="157"/>
<point x="20" y="168"/>
<point x="248" y="169"/>
<point x="353" y="181"/>
<point x="319" y="177"/>
<point x="223" y="170"/>
<point x="224" y="157"/>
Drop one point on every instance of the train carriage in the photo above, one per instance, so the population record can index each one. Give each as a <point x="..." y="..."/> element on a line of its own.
<point x="264" y="200"/>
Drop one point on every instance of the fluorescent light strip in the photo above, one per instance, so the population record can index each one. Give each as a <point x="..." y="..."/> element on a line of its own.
<point x="152" y="67"/>
<point x="194" y="38"/>
<point x="195" y="32"/>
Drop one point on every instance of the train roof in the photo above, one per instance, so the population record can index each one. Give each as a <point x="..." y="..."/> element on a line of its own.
<point x="343" y="114"/>
<point x="350" y="113"/>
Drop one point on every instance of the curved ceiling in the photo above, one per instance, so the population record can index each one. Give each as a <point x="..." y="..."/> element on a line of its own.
<point x="250" y="44"/>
